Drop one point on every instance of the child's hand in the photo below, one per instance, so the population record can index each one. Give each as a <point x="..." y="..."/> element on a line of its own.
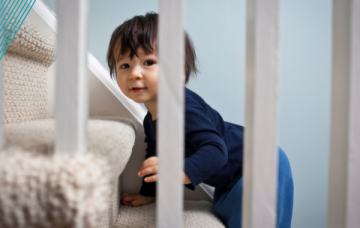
<point x="134" y="200"/>
<point x="150" y="166"/>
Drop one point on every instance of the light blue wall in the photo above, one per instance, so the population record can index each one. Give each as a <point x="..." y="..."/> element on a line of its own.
<point x="305" y="73"/>
<point x="218" y="31"/>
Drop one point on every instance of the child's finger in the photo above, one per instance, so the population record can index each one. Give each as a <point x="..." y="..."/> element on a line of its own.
<point x="148" y="171"/>
<point x="151" y="178"/>
<point x="149" y="162"/>
<point x="123" y="195"/>
<point x="123" y="201"/>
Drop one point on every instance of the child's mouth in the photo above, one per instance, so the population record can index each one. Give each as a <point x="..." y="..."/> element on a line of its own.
<point x="137" y="89"/>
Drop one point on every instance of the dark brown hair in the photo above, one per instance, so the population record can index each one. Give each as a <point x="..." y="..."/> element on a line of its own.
<point x="142" y="31"/>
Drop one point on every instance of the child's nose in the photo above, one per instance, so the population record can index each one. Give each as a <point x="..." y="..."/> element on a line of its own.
<point x="135" y="73"/>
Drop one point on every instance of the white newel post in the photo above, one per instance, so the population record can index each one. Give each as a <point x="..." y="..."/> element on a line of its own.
<point x="71" y="82"/>
<point x="170" y="124"/>
<point x="344" y="173"/>
<point x="261" y="154"/>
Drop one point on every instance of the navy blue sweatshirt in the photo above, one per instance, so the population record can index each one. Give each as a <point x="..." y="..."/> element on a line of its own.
<point x="213" y="147"/>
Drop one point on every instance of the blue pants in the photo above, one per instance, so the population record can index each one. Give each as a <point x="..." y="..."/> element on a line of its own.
<point x="228" y="200"/>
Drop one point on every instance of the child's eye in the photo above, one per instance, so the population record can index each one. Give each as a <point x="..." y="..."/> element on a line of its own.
<point x="148" y="63"/>
<point x="124" y="66"/>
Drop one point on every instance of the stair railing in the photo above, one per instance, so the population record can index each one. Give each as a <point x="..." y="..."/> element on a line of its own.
<point x="260" y="158"/>
<point x="71" y="77"/>
<point x="170" y="123"/>
<point x="261" y="114"/>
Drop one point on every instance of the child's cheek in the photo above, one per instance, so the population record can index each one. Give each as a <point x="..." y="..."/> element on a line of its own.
<point x="123" y="88"/>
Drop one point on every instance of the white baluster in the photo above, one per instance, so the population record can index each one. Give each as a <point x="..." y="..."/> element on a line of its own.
<point x="260" y="154"/>
<point x="344" y="175"/>
<point x="71" y="78"/>
<point x="170" y="122"/>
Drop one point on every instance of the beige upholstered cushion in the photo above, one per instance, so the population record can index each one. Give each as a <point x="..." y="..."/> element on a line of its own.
<point x="26" y="64"/>
<point x="197" y="214"/>
<point x="39" y="189"/>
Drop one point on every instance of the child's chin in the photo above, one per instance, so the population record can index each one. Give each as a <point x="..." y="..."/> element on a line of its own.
<point x="135" y="99"/>
<point x="139" y="100"/>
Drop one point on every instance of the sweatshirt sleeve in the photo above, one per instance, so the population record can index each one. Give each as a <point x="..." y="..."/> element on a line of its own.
<point x="211" y="152"/>
<point x="148" y="189"/>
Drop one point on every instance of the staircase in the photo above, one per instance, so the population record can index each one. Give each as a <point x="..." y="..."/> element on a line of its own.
<point x="41" y="189"/>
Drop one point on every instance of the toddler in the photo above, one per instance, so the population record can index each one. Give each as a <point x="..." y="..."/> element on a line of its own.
<point x="213" y="147"/>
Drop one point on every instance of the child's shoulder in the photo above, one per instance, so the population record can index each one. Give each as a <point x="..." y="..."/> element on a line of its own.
<point x="192" y="99"/>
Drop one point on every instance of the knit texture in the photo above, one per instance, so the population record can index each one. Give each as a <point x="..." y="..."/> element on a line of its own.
<point x="26" y="64"/>
<point x="33" y="43"/>
<point x="197" y="214"/>
<point x="109" y="219"/>
<point x="40" y="189"/>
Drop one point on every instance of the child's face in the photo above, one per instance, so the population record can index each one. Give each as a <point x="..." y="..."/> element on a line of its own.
<point x="137" y="77"/>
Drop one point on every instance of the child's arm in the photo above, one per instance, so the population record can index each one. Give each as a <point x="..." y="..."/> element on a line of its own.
<point x="210" y="154"/>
